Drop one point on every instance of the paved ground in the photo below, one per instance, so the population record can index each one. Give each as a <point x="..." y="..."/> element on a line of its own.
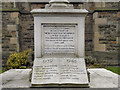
<point x="102" y="78"/>
<point x="99" y="78"/>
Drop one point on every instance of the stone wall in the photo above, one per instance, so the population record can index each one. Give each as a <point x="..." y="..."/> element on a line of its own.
<point x="0" y="34"/>
<point x="106" y="30"/>
<point x="101" y="31"/>
<point x="106" y="33"/>
<point x="27" y="32"/>
<point x="10" y="30"/>
<point x="88" y="35"/>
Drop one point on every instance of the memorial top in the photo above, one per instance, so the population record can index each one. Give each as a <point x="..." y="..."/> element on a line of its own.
<point x="59" y="7"/>
<point x="59" y="1"/>
<point x="65" y="11"/>
<point x="58" y="4"/>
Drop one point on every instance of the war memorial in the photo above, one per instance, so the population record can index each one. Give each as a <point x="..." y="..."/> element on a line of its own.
<point x="59" y="52"/>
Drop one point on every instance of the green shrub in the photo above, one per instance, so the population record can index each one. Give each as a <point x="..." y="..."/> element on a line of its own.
<point x="95" y="64"/>
<point x="18" y="60"/>
<point x="90" y="60"/>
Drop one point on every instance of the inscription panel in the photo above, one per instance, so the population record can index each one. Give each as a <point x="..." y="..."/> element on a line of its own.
<point x="46" y="71"/>
<point x="59" y="71"/>
<point x="72" y="70"/>
<point x="59" y="38"/>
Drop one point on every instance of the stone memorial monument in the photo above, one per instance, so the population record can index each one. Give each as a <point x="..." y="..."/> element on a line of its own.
<point x="59" y="46"/>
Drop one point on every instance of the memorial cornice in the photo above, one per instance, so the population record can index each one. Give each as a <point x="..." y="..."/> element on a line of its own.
<point x="59" y="11"/>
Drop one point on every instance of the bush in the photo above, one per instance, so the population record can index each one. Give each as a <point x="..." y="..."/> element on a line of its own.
<point x="18" y="60"/>
<point x="90" y="60"/>
<point x="97" y="65"/>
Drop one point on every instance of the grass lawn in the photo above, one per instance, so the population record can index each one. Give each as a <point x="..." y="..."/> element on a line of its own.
<point x="114" y="69"/>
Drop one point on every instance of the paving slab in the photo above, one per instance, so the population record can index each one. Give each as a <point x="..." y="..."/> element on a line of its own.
<point x="16" y="78"/>
<point x="102" y="78"/>
<point x="99" y="78"/>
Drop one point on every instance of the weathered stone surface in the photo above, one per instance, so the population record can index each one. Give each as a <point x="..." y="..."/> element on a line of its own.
<point x="97" y="46"/>
<point x="118" y="14"/>
<point x="106" y="35"/>
<point x="106" y="58"/>
<point x="100" y="21"/>
<point x="37" y="6"/>
<point x="11" y="27"/>
<point x="98" y="4"/>
<point x="27" y="32"/>
<point x="57" y="71"/>
<point x="8" y="5"/>
<point x="13" y="40"/>
<point x="89" y="34"/>
<point x="19" y="78"/>
<point x="9" y="34"/>
<point x="112" y="5"/>
<point x="14" y="15"/>
<point x="15" y="78"/>
<point x="118" y="40"/>
<point x="102" y="78"/>
<point x="95" y="15"/>
<point x="0" y="34"/>
<point x="24" y="7"/>
<point x="63" y="41"/>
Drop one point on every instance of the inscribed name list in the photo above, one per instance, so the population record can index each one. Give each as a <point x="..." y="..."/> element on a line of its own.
<point x="59" y="71"/>
<point x="46" y="71"/>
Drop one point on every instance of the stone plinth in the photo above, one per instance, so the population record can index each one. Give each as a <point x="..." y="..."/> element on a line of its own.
<point x="99" y="78"/>
<point x="59" y="46"/>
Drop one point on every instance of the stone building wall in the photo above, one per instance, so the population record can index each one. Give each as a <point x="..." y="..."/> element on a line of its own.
<point x="0" y="34"/>
<point x="10" y="31"/>
<point x="106" y="36"/>
<point x="106" y="21"/>
<point x="27" y="32"/>
<point x="27" y="25"/>
<point x="101" y="31"/>
<point x="88" y="35"/>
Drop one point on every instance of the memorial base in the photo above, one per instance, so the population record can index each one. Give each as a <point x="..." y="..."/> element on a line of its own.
<point x="59" y="72"/>
<point x="60" y="86"/>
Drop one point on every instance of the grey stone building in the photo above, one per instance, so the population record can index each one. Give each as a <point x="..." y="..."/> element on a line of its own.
<point x="102" y="31"/>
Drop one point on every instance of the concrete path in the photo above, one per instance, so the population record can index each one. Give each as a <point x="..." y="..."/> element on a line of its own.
<point x="99" y="78"/>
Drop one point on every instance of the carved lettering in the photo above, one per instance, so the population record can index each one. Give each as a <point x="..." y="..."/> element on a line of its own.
<point x="59" y="39"/>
